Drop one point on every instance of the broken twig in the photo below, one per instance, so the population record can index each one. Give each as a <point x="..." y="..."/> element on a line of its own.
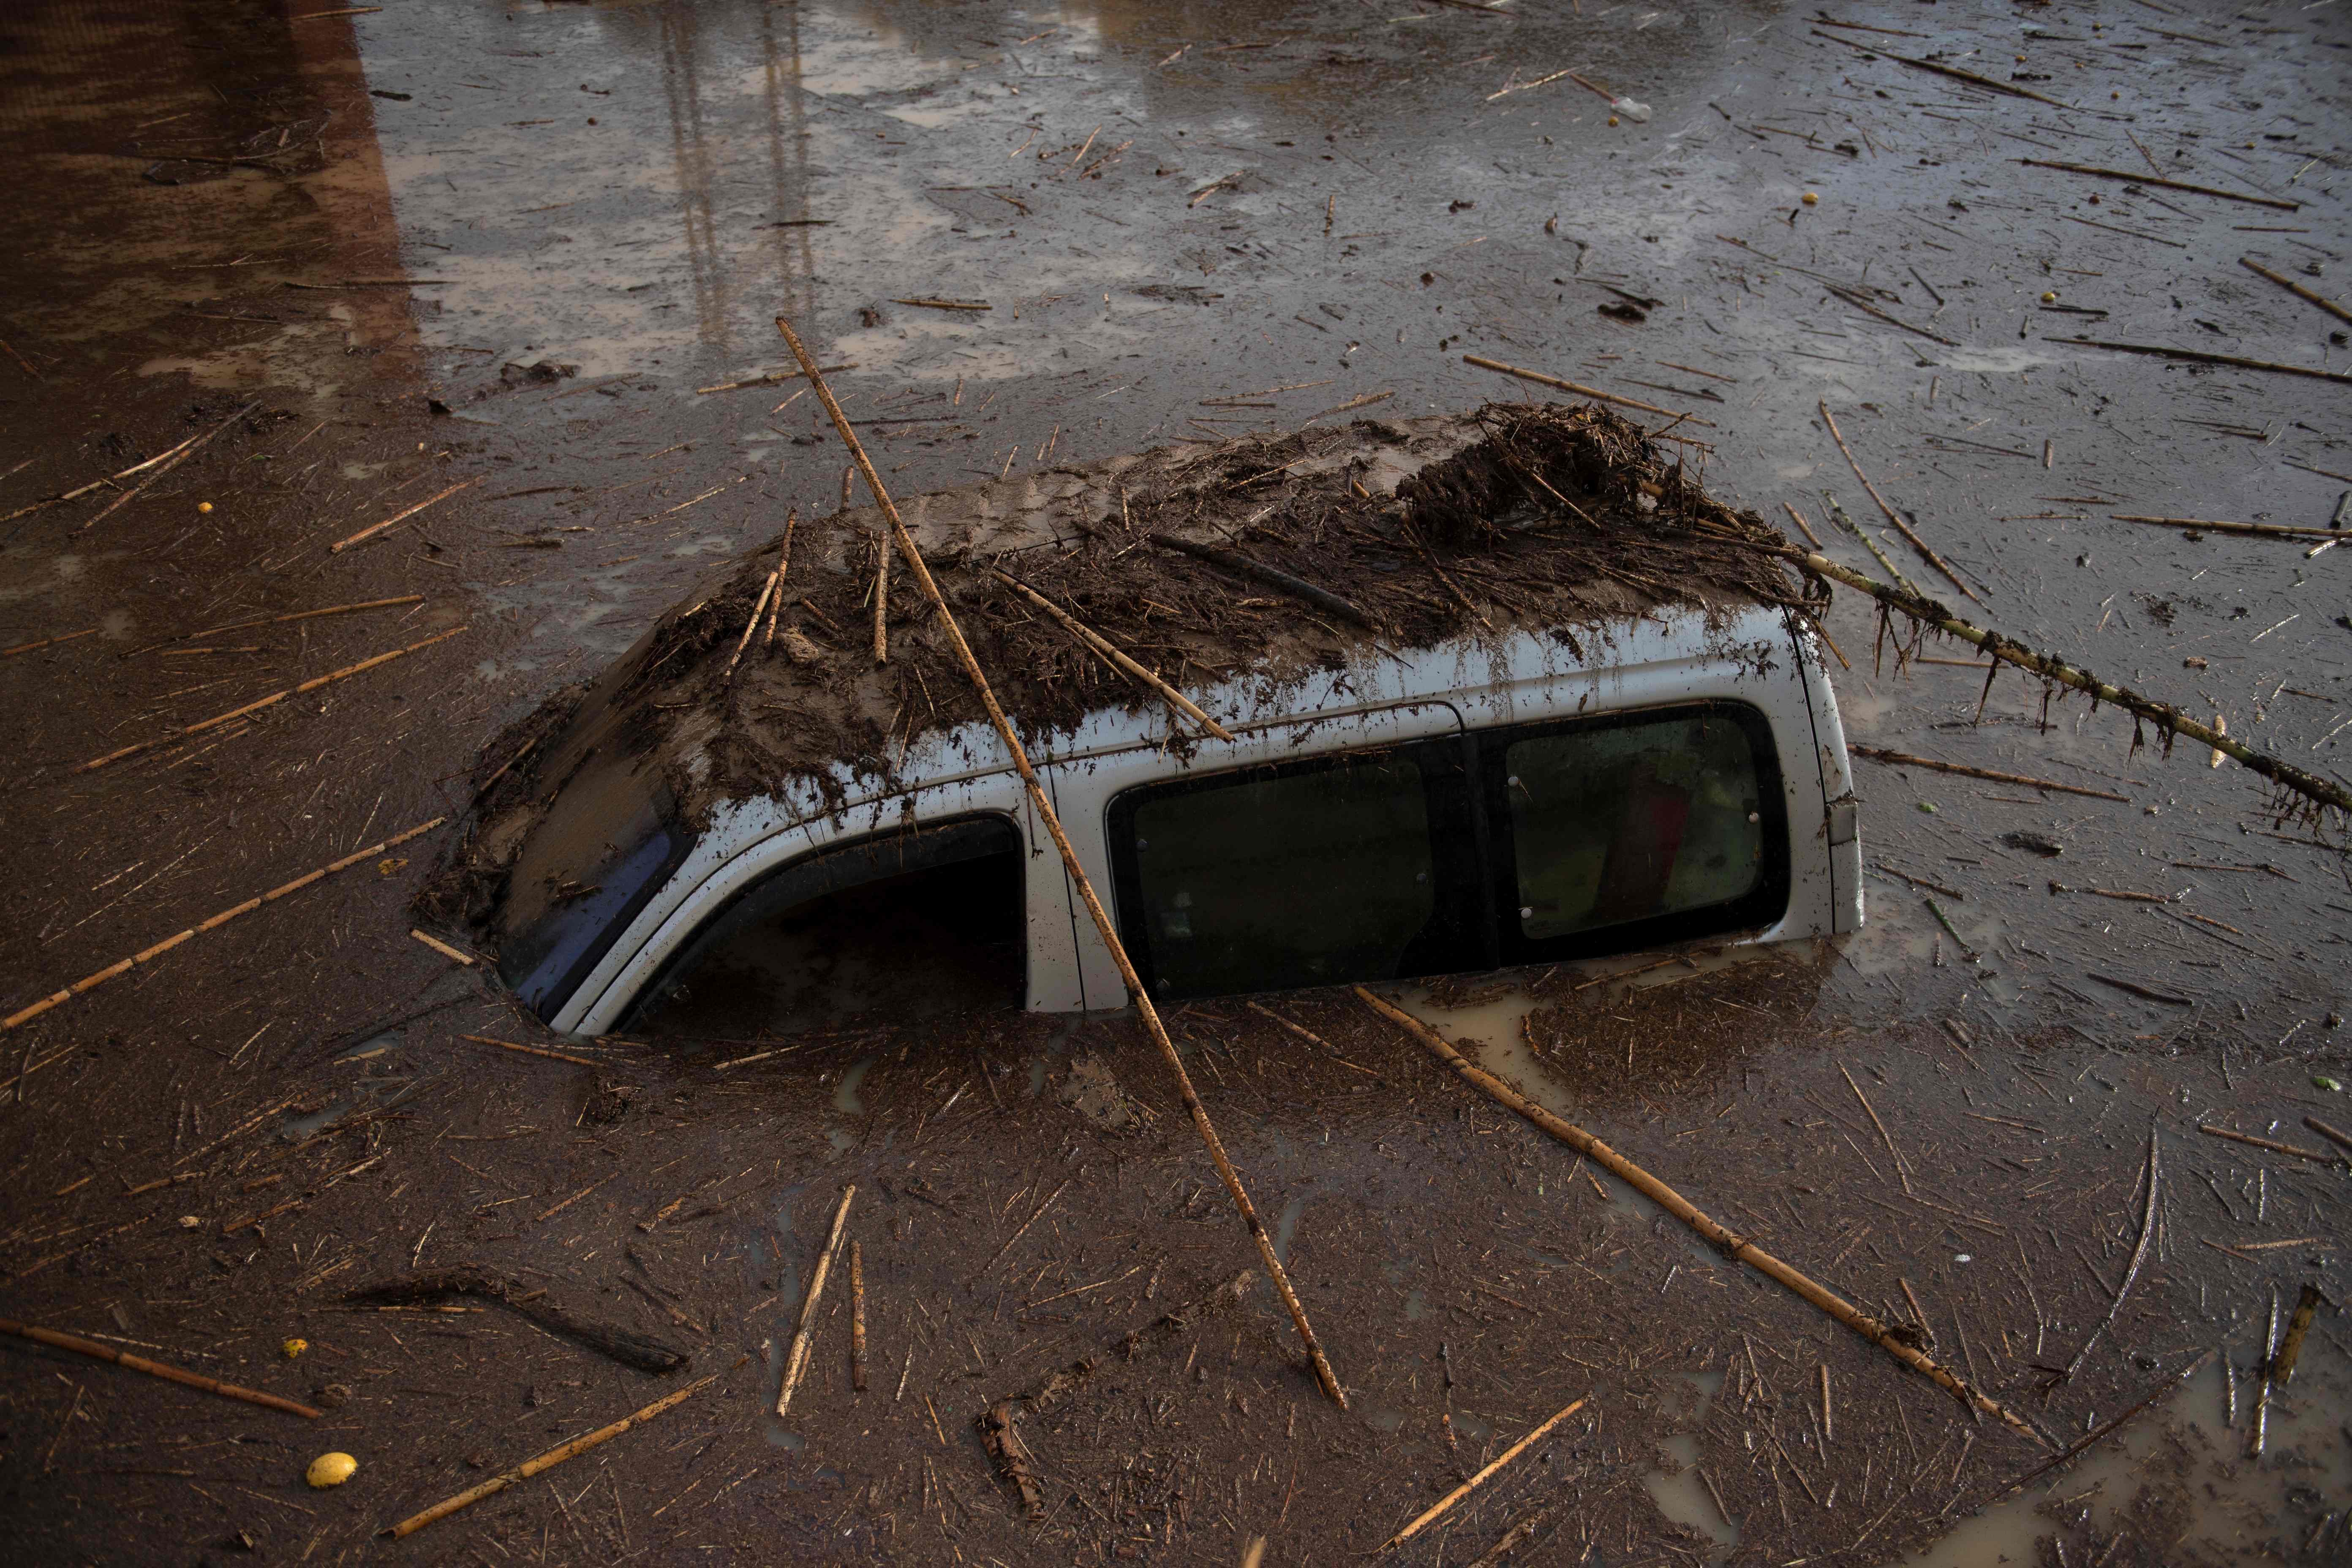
<point x="1442" y="1504"/>
<point x="1906" y="760"/>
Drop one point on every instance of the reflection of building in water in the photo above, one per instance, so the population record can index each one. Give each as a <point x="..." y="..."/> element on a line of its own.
<point x="157" y="146"/>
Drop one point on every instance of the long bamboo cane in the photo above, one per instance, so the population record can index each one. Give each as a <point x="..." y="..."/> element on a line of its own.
<point x="2163" y="715"/>
<point x="1078" y="878"/>
<point x="92" y="1349"/>
<point x="1731" y="1244"/>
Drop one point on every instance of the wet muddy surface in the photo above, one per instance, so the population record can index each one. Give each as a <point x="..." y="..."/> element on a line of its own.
<point x="363" y="258"/>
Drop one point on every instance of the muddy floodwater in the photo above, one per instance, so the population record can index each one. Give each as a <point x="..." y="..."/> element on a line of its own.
<point x="448" y="325"/>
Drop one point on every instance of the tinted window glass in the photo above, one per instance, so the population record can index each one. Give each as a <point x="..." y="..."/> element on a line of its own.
<point x="1614" y="823"/>
<point x="894" y="928"/>
<point x="1303" y="875"/>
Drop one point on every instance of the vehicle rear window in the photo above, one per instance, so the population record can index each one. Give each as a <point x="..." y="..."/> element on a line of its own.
<point x="1629" y="831"/>
<point x="1299" y="875"/>
<point x="1510" y="845"/>
<point x="1632" y="822"/>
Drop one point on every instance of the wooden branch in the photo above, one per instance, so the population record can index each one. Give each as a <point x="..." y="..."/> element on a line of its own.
<point x="1296" y="587"/>
<point x="2325" y="791"/>
<point x="767" y="591"/>
<point x="2130" y="178"/>
<point x="621" y="1344"/>
<point x="1102" y="646"/>
<point x="2077" y="1451"/>
<point x="548" y="1460"/>
<point x="124" y="966"/>
<point x="2292" y="287"/>
<point x="1146" y="1012"/>
<point x="769" y="379"/>
<point x="2318" y="1156"/>
<point x="1542" y="380"/>
<point x="1918" y="544"/>
<point x="1442" y="1504"/>
<point x="2198" y="356"/>
<point x="171" y="457"/>
<point x="271" y="701"/>
<point x="797" y="1362"/>
<point x="1726" y="1242"/>
<point x="2259" y="529"/>
<point x="97" y="1351"/>
<point x="1906" y="760"/>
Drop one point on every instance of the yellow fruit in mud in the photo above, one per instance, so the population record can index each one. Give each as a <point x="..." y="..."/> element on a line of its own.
<point x="331" y="1471"/>
<point x="203" y="506"/>
<point x="294" y="1347"/>
<point x="1613" y="120"/>
<point x="2049" y="297"/>
<point x="1811" y="199"/>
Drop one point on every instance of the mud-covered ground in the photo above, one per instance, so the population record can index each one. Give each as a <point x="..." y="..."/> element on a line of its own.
<point x="503" y="247"/>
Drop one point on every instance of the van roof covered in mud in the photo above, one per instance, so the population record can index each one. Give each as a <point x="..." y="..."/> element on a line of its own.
<point x="1267" y="562"/>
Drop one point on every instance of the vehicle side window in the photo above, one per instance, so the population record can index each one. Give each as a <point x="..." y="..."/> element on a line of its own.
<point x="891" y="928"/>
<point x="1308" y="874"/>
<point x="1649" y="827"/>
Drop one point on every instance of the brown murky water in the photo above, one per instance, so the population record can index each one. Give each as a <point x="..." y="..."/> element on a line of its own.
<point x="378" y="224"/>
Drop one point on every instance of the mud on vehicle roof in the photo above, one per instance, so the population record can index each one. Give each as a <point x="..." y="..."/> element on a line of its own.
<point x="1266" y="561"/>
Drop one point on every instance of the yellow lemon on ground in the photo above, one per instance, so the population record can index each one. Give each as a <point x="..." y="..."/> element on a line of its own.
<point x="1811" y="199"/>
<point x="203" y="506"/>
<point x="2051" y="298"/>
<point x="294" y="1347"/>
<point x="330" y="1470"/>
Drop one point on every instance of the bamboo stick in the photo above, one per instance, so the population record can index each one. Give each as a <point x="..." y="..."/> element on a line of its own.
<point x="1905" y="758"/>
<point x="275" y="698"/>
<point x="548" y="1460"/>
<point x="124" y="966"/>
<point x="767" y="593"/>
<point x="2292" y="287"/>
<point x="1466" y="1488"/>
<point x="1729" y="1243"/>
<point x="1542" y="380"/>
<point x="49" y="642"/>
<point x="165" y="464"/>
<point x="91" y="1348"/>
<point x="2126" y="175"/>
<point x="1101" y="645"/>
<point x="769" y="379"/>
<point x="171" y="455"/>
<point x="373" y="528"/>
<point x="2198" y="356"/>
<point x="857" y="1316"/>
<point x="881" y="585"/>
<point x="307" y="615"/>
<point x="797" y="1362"/>
<point x="1905" y="529"/>
<point x="1149" y="1015"/>
<point x="2258" y="530"/>
<point x="531" y="1050"/>
<point x="2162" y="715"/>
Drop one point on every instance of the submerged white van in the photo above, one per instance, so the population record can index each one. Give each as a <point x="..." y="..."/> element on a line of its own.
<point x="1521" y="790"/>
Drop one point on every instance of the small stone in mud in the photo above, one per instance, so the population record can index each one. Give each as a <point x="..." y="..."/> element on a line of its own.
<point x="330" y="1396"/>
<point x="2033" y="843"/>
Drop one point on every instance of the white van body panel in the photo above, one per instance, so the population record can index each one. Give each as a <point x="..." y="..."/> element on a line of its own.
<point x="1662" y="658"/>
